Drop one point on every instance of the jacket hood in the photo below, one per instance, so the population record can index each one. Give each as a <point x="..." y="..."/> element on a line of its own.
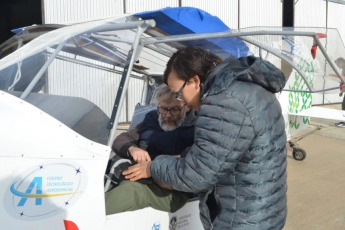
<point x="248" y="69"/>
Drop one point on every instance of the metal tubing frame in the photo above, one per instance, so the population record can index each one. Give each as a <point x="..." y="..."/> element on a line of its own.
<point x="242" y="35"/>
<point x="41" y="71"/>
<point x="105" y="27"/>
<point x="228" y="33"/>
<point x="91" y="65"/>
<point x="133" y="53"/>
<point x="96" y="54"/>
<point x="120" y="95"/>
<point x="112" y="39"/>
<point x="317" y="40"/>
<point x="122" y="26"/>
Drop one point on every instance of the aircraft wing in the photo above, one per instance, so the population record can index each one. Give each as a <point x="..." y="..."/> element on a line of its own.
<point x="320" y="112"/>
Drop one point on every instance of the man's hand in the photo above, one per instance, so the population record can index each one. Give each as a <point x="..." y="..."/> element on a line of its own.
<point x="138" y="171"/>
<point x="138" y="154"/>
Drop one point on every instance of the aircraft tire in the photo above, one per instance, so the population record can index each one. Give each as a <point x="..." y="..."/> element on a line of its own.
<point x="299" y="154"/>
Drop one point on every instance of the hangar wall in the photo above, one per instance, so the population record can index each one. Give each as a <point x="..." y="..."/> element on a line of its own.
<point x="235" y="13"/>
<point x="238" y="14"/>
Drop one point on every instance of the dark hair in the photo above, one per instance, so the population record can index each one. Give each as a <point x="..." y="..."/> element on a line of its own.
<point x="340" y="59"/>
<point x="190" y="61"/>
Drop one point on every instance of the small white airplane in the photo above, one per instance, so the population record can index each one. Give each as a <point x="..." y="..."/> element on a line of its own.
<point x="58" y="123"/>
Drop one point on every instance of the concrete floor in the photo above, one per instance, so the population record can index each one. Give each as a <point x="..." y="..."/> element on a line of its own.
<point x="316" y="186"/>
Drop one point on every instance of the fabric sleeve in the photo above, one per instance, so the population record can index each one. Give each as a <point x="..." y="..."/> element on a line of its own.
<point x="125" y="140"/>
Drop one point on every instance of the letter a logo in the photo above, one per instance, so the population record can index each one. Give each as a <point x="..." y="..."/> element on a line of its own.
<point x="36" y="182"/>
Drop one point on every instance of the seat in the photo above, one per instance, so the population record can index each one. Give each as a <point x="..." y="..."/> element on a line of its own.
<point x="139" y="114"/>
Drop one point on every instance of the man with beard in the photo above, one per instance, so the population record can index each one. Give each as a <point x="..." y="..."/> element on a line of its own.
<point x="168" y="130"/>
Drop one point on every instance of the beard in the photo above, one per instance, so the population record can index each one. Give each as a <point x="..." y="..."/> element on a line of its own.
<point x="167" y="125"/>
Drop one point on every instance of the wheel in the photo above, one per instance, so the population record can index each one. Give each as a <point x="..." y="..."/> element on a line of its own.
<point x="299" y="154"/>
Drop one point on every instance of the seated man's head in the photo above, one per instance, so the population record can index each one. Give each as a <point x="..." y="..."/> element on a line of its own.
<point x="171" y="112"/>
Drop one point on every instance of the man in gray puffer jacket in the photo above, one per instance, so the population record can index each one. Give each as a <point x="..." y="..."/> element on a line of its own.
<point x="237" y="164"/>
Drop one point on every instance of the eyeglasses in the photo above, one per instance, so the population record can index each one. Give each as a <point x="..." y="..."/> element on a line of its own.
<point x="179" y="92"/>
<point x="175" y="111"/>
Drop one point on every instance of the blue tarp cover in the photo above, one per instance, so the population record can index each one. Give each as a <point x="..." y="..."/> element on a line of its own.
<point x="186" y="20"/>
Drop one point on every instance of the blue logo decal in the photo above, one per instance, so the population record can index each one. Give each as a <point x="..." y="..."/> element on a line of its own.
<point x="156" y="226"/>
<point x="36" y="181"/>
<point x="45" y="190"/>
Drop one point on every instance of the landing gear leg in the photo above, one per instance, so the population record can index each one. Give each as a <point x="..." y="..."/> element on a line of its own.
<point x="299" y="154"/>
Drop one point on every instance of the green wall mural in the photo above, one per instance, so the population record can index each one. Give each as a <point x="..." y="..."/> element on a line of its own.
<point x="301" y="101"/>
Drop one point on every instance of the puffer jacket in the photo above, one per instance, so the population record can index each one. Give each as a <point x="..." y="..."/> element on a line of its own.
<point x="239" y="152"/>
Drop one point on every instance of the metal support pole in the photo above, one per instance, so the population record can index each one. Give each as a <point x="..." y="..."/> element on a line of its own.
<point x="41" y="71"/>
